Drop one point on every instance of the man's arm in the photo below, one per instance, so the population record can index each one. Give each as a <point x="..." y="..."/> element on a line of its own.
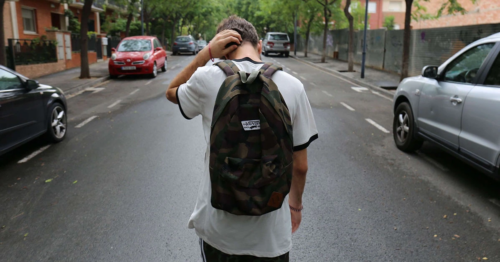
<point x="298" y="185"/>
<point x="218" y="49"/>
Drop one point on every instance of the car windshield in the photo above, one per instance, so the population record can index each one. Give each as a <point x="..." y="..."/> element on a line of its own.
<point x="183" y="39"/>
<point x="202" y="42"/>
<point x="134" y="46"/>
<point x="278" y="37"/>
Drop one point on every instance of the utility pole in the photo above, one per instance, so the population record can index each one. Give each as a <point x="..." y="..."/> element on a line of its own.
<point x="295" y="34"/>
<point x="364" y="42"/>
<point x="142" y="16"/>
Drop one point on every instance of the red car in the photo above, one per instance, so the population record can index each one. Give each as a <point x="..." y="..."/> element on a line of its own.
<point x="138" y="55"/>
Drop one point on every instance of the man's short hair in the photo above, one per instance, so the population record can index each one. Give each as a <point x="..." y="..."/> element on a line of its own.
<point x="242" y="26"/>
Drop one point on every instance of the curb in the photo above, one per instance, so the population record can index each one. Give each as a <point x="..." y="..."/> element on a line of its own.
<point x="81" y="87"/>
<point x="359" y="82"/>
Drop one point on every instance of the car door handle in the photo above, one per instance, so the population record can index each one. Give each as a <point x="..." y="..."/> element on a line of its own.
<point x="455" y="100"/>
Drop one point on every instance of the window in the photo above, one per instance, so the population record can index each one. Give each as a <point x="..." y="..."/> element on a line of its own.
<point x="353" y="5"/>
<point x="395" y="6"/>
<point x="134" y="46"/>
<point x="465" y="67"/>
<point x="9" y="81"/>
<point x="183" y="39"/>
<point x="280" y="37"/>
<point x="396" y="27"/>
<point x="493" y="78"/>
<point x="155" y="44"/>
<point x="372" y="7"/>
<point x="29" y="20"/>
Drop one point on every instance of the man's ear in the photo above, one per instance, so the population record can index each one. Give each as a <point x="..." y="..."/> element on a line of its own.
<point x="259" y="47"/>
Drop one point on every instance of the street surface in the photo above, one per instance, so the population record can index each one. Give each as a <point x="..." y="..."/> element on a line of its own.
<point x="122" y="186"/>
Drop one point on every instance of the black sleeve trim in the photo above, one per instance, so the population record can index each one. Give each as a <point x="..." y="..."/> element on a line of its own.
<point x="179" y="103"/>
<point x="304" y="146"/>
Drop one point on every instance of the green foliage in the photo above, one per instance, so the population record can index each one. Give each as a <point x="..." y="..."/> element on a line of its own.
<point x="74" y="24"/>
<point x="450" y="7"/>
<point x="357" y="12"/>
<point x="389" y="22"/>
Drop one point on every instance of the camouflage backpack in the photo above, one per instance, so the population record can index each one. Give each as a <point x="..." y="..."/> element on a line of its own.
<point x="251" y="148"/>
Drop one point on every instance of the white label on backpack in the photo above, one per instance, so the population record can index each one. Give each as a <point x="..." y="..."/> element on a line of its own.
<point x="251" y="125"/>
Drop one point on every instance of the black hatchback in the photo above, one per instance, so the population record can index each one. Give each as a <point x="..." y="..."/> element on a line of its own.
<point x="29" y="110"/>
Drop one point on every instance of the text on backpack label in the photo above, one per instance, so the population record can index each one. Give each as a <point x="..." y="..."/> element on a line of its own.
<point x="251" y="125"/>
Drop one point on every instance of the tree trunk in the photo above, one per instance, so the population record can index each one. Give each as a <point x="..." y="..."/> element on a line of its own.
<point x="3" y="55"/>
<point x="84" y="40"/>
<point x="325" y="30"/>
<point x="172" y="39"/>
<point x="129" y="21"/>
<point x="165" y="19"/>
<point x="308" y="31"/>
<point x="350" y="55"/>
<point x="406" y="40"/>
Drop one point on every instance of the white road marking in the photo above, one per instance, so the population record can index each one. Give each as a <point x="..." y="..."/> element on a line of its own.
<point x="86" y="121"/>
<point x="347" y="81"/>
<point x="94" y="89"/>
<point x="381" y="128"/>
<point x="135" y="91"/>
<point x="303" y="78"/>
<point x="328" y="94"/>
<point x="347" y="106"/>
<point x="295" y="73"/>
<point x="432" y="161"/>
<point x="149" y="82"/>
<point x="379" y="94"/>
<point x="359" y="89"/>
<point x="26" y="159"/>
<point x="114" y="104"/>
<point x="312" y="83"/>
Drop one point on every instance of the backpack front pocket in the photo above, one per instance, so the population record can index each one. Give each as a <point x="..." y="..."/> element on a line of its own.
<point x="251" y="173"/>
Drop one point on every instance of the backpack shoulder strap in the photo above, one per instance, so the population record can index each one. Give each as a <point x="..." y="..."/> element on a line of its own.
<point x="228" y="67"/>
<point x="268" y="70"/>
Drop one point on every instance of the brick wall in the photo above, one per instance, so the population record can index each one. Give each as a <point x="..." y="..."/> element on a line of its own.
<point x="43" y="10"/>
<point x="7" y="22"/>
<point x="76" y="60"/>
<point x="483" y="12"/>
<point x="34" y="71"/>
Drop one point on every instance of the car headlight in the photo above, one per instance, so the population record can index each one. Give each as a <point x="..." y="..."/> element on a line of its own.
<point x="113" y="57"/>
<point x="146" y="56"/>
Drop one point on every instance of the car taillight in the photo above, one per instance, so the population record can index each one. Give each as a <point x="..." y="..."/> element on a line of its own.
<point x="271" y="44"/>
<point x="286" y="44"/>
<point x="190" y="43"/>
<point x="175" y="43"/>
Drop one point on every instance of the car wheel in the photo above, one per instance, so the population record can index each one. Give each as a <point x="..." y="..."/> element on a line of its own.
<point x="287" y="54"/>
<point x="266" y="53"/>
<point x="403" y="128"/>
<point x="113" y="76"/>
<point x="155" y="71"/>
<point x="164" y="67"/>
<point x="57" y="123"/>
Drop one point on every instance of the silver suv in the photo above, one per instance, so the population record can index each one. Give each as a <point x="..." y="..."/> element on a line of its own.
<point x="276" y="42"/>
<point x="455" y="105"/>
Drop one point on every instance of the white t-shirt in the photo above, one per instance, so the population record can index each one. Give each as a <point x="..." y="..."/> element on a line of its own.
<point x="269" y="235"/>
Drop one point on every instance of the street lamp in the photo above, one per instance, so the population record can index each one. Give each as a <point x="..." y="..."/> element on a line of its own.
<point x="364" y="42"/>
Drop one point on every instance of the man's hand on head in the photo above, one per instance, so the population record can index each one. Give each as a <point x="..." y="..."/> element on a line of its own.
<point x="217" y="48"/>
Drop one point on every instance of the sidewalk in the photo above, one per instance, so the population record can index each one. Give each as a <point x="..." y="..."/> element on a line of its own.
<point x="69" y="82"/>
<point x="379" y="80"/>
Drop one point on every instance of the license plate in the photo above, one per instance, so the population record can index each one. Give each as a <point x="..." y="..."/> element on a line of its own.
<point x="182" y="48"/>
<point x="128" y="67"/>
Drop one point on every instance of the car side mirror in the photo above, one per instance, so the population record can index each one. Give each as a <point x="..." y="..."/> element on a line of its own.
<point x="430" y="72"/>
<point x="113" y="49"/>
<point x="158" y="49"/>
<point x="32" y="84"/>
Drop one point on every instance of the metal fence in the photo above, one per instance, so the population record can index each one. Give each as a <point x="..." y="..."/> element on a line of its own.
<point x="113" y="43"/>
<point x="31" y="51"/>
<point x="93" y="43"/>
<point x="384" y="49"/>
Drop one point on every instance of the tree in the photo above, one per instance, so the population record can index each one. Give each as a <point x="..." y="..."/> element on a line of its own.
<point x="84" y="39"/>
<point x="389" y="22"/>
<point x="3" y="58"/>
<point x="327" y="13"/>
<point x="311" y="11"/>
<point x="132" y="10"/>
<point x="450" y="6"/>
<point x="350" y="55"/>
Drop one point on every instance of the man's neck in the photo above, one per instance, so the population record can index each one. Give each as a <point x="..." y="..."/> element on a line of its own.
<point x="245" y="50"/>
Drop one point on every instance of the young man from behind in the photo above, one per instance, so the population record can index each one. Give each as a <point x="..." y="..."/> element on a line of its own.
<point x="228" y="233"/>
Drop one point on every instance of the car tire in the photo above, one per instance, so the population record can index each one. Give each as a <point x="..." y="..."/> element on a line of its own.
<point x="164" y="67"/>
<point x="155" y="71"/>
<point x="287" y="54"/>
<point x="57" y="124"/>
<point x="266" y="53"/>
<point x="113" y="76"/>
<point x="194" y="52"/>
<point x="403" y="129"/>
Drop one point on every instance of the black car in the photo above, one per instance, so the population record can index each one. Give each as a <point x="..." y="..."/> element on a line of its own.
<point x="29" y="110"/>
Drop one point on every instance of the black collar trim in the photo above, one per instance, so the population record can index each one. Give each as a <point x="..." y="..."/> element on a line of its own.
<point x="247" y="59"/>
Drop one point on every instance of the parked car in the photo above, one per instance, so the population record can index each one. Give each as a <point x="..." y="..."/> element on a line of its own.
<point x="276" y="42"/>
<point x="456" y="106"/>
<point x="138" y="55"/>
<point x="29" y="110"/>
<point x="201" y="44"/>
<point x="185" y="44"/>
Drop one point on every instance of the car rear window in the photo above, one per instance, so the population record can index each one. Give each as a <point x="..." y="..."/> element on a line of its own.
<point x="135" y="46"/>
<point x="278" y="37"/>
<point x="202" y="42"/>
<point x="183" y="39"/>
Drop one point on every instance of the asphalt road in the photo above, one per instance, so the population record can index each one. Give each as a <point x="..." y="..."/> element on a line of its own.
<point x="124" y="184"/>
